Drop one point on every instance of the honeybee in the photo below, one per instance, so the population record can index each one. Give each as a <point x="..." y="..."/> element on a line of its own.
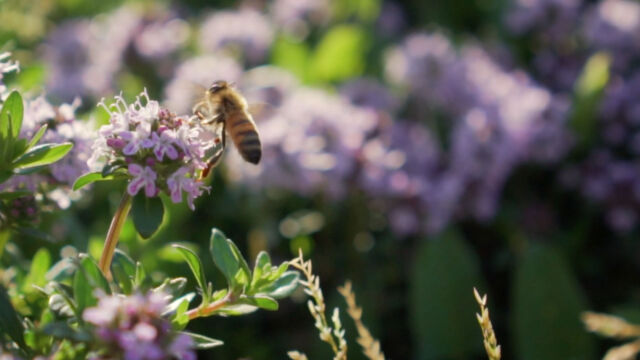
<point x="225" y="109"/>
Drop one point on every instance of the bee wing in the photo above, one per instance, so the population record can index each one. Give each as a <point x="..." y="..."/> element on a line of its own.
<point x="261" y="111"/>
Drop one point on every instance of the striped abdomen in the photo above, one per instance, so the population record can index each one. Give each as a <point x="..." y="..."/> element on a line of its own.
<point x="244" y="134"/>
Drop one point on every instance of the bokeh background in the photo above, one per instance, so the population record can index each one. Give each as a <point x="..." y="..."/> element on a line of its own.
<point x="418" y="148"/>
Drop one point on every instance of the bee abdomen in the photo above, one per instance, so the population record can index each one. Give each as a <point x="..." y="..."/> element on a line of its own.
<point x="245" y="137"/>
<point x="251" y="149"/>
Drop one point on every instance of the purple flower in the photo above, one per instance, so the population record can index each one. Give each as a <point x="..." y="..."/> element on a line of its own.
<point x="164" y="152"/>
<point x="194" y="75"/>
<point x="142" y="178"/>
<point x="297" y="16"/>
<point x="163" y="145"/>
<point x="85" y="56"/>
<point x="132" y="328"/>
<point x="246" y="30"/>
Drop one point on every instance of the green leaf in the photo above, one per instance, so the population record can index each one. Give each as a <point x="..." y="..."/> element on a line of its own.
<point x="176" y="304"/>
<point x="283" y="286"/>
<point x="38" y="271"/>
<point x="180" y="319"/>
<point x="88" y="277"/>
<point x="196" y="267"/>
<point x="203" y="342"/>
<point x="147" y="214"/>
<point x="442" y="305"/>
<point x="40" y="155"/>
<point x="262" y="267"/>
<point x="34" y="140"/>
<point x="341" y="54"/>
<point x="292" y="55"/>
<point x="547" y="302"/>
<point x="587" y="94"/>
<point x="10" y="323"/>
<point x="89" y="178"/>
<point x="261" y="301"/>
<point x="172" y="286"/>
<point x="228" y="259"/>
<point x="10" y="195"/>
<point x="62" y="330"/>
<point x="11" y="116"/>
<point x="124" y="270"/>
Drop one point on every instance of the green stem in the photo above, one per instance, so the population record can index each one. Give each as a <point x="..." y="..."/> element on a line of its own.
<point x="209" y="309"/>
<point x="114" y="233"/>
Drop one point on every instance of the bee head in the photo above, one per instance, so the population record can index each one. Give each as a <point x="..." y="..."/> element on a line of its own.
<point x="218" y="85"/>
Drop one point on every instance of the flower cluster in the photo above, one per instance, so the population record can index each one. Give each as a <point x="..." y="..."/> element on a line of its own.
<point x="159" y="150"/>
<point x="132" y="328"/>
<point x="314" y="138"/>
<point x="606" y="174"/>
<point x="86" y="56"/>
<point x="62" y="126"/>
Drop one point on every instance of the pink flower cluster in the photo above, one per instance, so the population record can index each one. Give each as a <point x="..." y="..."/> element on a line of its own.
<point x="132" y="328"/>
<point x="159" y="150"/>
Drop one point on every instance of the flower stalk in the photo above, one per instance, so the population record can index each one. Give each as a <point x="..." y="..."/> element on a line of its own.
<point x="114" y="234"/>
<point x="209" y="309"/>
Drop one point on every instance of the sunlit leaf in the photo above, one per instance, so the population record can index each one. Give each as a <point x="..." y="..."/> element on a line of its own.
<point x="40" y="155"/>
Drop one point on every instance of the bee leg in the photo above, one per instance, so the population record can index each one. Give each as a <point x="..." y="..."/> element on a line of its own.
<point x="213" y="162"/>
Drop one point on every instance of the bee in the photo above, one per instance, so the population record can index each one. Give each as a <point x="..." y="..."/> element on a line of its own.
<point x="225" y="109"/>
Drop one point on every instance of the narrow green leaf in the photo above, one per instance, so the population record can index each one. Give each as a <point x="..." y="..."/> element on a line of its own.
<point x="89" y="178"/>
<point x="11" y="116"/>
<point x="10" y="323"/>
<point x="62" y="330"/>
<point x="180" y="319"/>
<point x="262" y="266"/>
<point x="442" y="306"/>
<point x="228" y="259"/>
<point x="587" y="94"/>
<point x="44" y="154"/>
<point x="10" y="195"/>
<point x="124" y="270"/>
<point x="262" y="301"/>
<point x="283" y="286"/>
<point x="172" y="286"/>
<point x="243" y="276"/>
<point x="147" y="214"/>
<point x="223" y="256"/>
<point x="547" y="302"/>
<point x="34" y="140"/>
<point x="196" y="267"/>
<point x="203" y="342"/>
<point x="88" y="278"/>
<point x="37" y="273"/>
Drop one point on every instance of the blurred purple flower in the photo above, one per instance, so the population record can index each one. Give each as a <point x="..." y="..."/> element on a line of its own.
<point x="161" y="36"/>
<point x="555" y="17"/>
<point x="140" y="135"/>
<point x="131" y="327"/>
<point x="62" y="126"/>
<point x="614" y="25"/>
<point x="368" y="92"/>
<point x="84" y="56"/>
<point x="195" y="75"/>
<point x="311" y="144"/>
<point x="297" y="16"/>
<point x="244" y="30"/>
